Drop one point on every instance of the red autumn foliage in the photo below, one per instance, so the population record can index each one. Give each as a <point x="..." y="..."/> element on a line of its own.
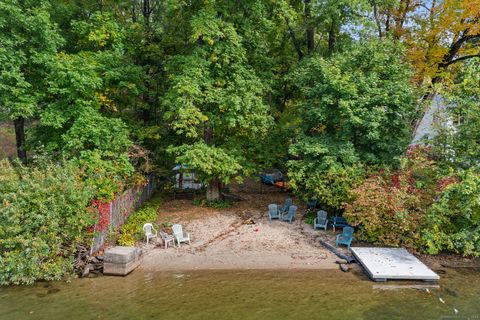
<point x="390" y="208"/>
<point x="418" y="152"/>
<point x="103" y="209"/>
<point x="445" y="182"/>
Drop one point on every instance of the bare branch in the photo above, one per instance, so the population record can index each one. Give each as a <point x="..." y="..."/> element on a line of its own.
<point x="461" y="59"/>
<point x="376" y="17"/>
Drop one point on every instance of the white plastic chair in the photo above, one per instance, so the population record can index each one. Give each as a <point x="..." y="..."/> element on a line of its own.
<point x="179" y="235"/>
<point x="149" y="231"/>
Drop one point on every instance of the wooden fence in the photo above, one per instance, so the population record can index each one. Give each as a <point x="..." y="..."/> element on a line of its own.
<point x="120" y="208"/>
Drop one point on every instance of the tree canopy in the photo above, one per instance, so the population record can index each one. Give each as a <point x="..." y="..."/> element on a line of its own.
<point x="222" y="85"/>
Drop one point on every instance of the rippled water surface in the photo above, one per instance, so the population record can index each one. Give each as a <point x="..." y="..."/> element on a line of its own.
<point x="324" y="294"/>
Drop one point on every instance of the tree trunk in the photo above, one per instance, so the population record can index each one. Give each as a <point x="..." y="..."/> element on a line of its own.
<point x="134" y="11"/>
<point x="310" y="30"/>
<point x="146" y="112"/>
<point x="214" y="186"/>
<point x="449" y="57"/>
<point x="146" y="109"/>
<point x="377" y="18"/>
<point x="332" y="38"/>
<point x="19" y="124"/>
<point x="405" y="7"/>
<point x="180" y="180"/>
<point x="297" y="46"/>
<point x="146" y="13"/>
<point x="213" y="190"/>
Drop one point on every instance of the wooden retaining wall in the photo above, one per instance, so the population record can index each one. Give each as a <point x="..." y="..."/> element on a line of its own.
<point x="120" y="208"/>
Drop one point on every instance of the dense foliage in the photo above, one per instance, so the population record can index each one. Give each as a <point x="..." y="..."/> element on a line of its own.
<point x="390" y="207"/>
<point x="43" y="217"/>
<point x="453" y="221"/>
<point x="215" y="101"/>
<point x="454" y="218"/>
<point x="458" y="144"/>
<point x="356" y="111"/>
<point x="419" y="206"/>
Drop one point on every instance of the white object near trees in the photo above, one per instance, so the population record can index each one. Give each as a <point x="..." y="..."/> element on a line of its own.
<point x="149" y="231"/>
<point x="392" y="263"/>
<point x="179" y="235"/>
<point x="434" y="119"/>
<point x="185" y="178"/>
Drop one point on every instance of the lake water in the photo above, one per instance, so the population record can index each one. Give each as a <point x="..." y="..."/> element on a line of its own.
<point x="323" y="294"/>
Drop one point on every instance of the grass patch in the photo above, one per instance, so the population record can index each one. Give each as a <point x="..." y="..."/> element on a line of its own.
<point x="309" y="217"/>
<point x="218" y="204"/>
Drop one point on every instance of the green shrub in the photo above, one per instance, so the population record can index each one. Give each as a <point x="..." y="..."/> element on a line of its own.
<point x="108" y="177"/>
<point x="385" y="214"/>
<point x="167" y="225"/>
<point x="454" y="219"/>
<point x="418" y="208"/>
<point x="43" y="216"/>
<point x="309" y="217"/>
<point x="132" y="231"/>
<point x="199" y="202"/>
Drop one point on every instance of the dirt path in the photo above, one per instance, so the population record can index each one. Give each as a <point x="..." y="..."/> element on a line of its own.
<point x="220" y="239"/>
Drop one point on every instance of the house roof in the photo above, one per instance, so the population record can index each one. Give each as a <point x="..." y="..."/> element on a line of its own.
<point x="435" y="116"/>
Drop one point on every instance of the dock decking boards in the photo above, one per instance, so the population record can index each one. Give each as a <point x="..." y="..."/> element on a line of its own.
<point x="382" y="264"/>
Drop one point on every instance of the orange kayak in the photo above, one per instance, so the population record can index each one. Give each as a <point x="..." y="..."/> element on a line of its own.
<point x="281" y="184"/>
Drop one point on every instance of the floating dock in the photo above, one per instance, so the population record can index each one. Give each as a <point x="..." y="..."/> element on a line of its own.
<point x="382" y="264"/>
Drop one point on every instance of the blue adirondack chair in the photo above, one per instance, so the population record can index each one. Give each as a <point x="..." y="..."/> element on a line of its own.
<point x="345" y="237"/>
<point x="321" y="220"/>
<point x="339" y="222"/>
<point x="312" y="204"/>
<point x="286" y="206"/>
<point x="273" y="212"/>
<point x="290" y="215"/>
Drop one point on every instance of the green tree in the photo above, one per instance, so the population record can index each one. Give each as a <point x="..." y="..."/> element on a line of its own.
<point x="80" y="118"/>
<point x="331" y="16"/>
<point x="28" y="43"/>
<point x="214" y="102"/>
<point x="458" y="144"/>
<point x="356" y="109"/>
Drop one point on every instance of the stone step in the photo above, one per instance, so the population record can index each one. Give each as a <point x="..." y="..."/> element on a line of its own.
<point x="121" y="260"/>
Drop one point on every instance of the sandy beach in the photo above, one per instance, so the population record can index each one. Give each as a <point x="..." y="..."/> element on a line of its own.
<point x="222" y="240"/>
